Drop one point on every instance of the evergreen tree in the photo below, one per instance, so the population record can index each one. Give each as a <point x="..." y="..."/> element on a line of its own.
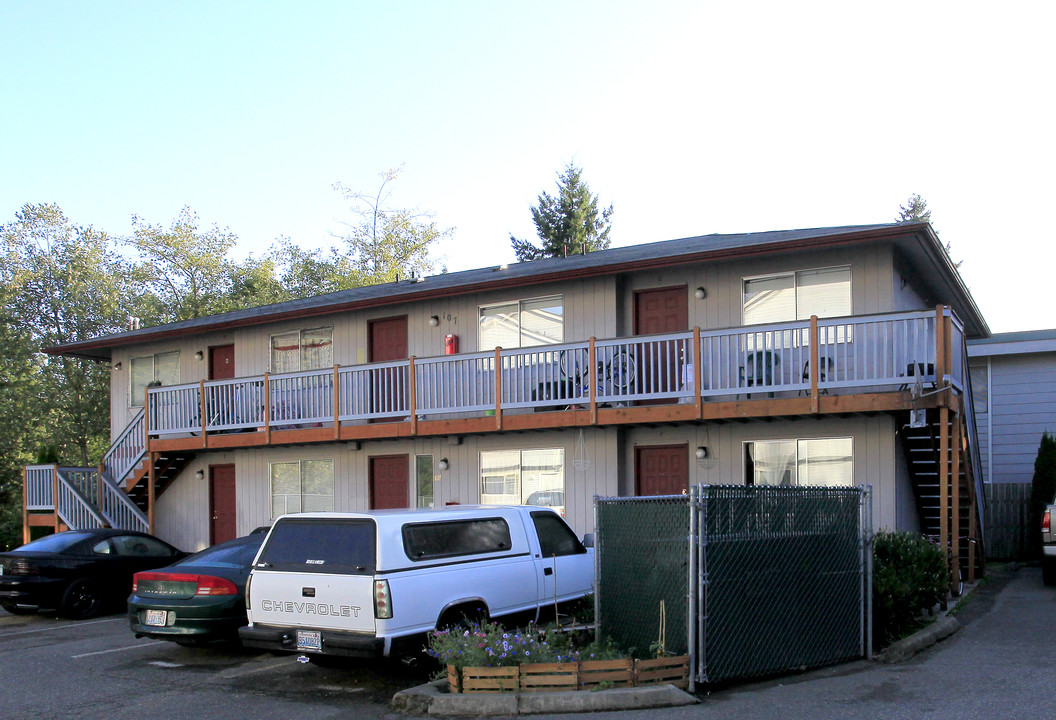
<point x="568" y="223"/>
<point x="916" y="210"/>
<point x="1042" y="491"/>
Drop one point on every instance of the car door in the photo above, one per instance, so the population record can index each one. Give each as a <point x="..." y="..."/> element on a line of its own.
<point x="567" y="567"/>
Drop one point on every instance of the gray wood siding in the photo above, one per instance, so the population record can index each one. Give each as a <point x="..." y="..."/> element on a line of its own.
<point x="874" y="455"/>
<point x="1022" y="407"/>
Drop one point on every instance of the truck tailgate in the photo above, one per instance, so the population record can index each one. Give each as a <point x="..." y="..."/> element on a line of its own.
<point x="316" y="600"/>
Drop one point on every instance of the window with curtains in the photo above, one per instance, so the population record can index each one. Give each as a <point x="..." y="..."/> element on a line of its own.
<point x="302" y="350"/>
<point x="163" y="369"/>
<point x="819" y="462"/>
<point x="523" y="477"/>
<point x="302" y="486"/>
<point x="524" y="323"/>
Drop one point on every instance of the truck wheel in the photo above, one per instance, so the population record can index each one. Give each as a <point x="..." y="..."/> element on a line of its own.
<point x="1048" y="570"/>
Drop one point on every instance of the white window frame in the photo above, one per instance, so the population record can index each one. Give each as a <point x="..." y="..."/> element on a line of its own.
<point x="300" y="348"/>
<point x="514" y="483"/>
<point x="522" y="340"/>
<point x="135" y="395"/>
<point x="842" y="333"/>
<point x="798" y="459"/>
<point x="300" y="485"/>
<point x="418" y="459"/>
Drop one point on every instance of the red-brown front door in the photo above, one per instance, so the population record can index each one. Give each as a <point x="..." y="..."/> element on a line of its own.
<point x="389" y="479"/>
<point x="658" y="311"/>
<point x="222" y="362"/>
<point x="661" y="470"/>
<point x="387" y="341"/>
<point x="223" y="524"/>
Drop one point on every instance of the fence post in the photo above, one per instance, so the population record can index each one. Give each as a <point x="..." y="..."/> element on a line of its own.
<point x="867" y="552"/>
<point x="691" y="600"/>
<point x="597" y="573"/>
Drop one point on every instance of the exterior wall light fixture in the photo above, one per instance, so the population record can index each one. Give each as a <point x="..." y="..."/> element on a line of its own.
<point x="443" y="464"/>
<point x="700" y="293"/>
<point x="434" y="320"/>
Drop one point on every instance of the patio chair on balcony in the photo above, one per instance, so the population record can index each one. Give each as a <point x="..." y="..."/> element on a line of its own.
<point x="762" y="367"/>
<point x="826" y="367"/>
<point x="922" y="370"/>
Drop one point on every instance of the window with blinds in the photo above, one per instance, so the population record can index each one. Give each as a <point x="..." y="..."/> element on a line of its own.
<point x="524" y="323"/>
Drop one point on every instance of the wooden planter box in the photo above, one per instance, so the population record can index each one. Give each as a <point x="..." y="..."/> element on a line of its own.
<point x="490" y="679"/>
<point x="663" y="671"/>
<point x="614" y="673"/>
<point x="552" y="677"/>
<point x="549" y="677"/>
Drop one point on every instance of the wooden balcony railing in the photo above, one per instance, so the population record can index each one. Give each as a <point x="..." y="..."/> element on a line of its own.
<point x="876" y="353"/>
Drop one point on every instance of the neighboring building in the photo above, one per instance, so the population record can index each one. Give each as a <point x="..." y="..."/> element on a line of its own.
<point x="830" y="356"/>
<point x="1014" y="388"/>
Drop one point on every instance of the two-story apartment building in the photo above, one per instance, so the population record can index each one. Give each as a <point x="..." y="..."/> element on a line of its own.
<point x="830" y="356"/>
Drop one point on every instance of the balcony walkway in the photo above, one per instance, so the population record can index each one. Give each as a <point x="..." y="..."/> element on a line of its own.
<point x="878" y="363"/>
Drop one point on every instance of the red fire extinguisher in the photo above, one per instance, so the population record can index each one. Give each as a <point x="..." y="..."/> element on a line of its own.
<point x="451" y="344"/>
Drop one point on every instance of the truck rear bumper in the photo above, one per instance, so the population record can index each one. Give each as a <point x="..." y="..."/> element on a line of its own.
<point x="334" y="642"/>
<point x="1048" y="550"/>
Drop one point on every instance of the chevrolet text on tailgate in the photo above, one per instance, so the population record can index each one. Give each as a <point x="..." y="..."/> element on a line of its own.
<point x="375" y="583"/>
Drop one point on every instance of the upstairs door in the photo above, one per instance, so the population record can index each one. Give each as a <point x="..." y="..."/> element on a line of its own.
<point x="661" y="470"/>
<point x="387" y="341"/>
<point x="658" y="311"/>
<point x="223" y="525"/>
<point x="389" y="477"/>
<point x="222" y="362"/>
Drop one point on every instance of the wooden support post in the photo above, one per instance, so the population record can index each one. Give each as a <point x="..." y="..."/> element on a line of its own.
<point x="26" y="535"/>
<point x="943" y="476"/>
<point x="152" y="458"/>
<point x="267" y="410"/>
<point x="698" y="374"/>
<point x="498" y="388"/>
<point x="940" y="351"/>
<point x="412" y="393"/>
<point x="201" y="409"/>
<point x="814" y="369"/>
<point x="336" y="400"/>
<point x="955" y="500"/>
<point x="592" y="380"/>
<point x="55" y="495"/>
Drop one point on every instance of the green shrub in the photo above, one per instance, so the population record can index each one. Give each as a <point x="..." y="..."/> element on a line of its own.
<point x="909" y="578"/>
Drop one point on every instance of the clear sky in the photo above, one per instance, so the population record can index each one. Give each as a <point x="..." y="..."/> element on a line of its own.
<point x="689" y="117"/>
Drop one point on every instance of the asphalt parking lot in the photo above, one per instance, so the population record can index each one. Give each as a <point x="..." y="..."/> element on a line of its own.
<point x="52" y="667"/>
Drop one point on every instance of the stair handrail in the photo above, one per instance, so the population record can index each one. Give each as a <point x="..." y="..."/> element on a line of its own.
<point x="126" y="451"/>
<point x="71" y="505"/>
<point x="973" y="441"/>
<point x="120" y="510"/>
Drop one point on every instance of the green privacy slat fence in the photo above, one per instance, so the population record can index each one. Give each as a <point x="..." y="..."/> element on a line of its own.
<point x="779" y="576"/>
<point x="642" y="551"/>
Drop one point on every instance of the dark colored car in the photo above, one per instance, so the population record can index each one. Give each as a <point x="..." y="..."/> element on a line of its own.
<point x="78" y="572"/>
<point x="198" y="599"/>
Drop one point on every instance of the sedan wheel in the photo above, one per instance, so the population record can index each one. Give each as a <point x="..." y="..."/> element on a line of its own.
<point x="81" y="600"/>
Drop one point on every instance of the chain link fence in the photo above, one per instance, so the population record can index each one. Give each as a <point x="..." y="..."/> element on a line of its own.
<point x="775" y="577"/>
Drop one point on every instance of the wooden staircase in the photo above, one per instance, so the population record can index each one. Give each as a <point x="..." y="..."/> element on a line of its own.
<point x="167" y="468"/>
<point x="957" y="513"/>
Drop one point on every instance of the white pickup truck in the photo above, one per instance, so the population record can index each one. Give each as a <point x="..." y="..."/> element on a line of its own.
<point x="1048" y="545"/>
<point x="376" y="583"/>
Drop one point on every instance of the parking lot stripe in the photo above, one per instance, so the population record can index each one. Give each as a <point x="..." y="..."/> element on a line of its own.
<point x="80" y="623"/>
<point x="120" y="649"/>
<point x="269" y="666"/>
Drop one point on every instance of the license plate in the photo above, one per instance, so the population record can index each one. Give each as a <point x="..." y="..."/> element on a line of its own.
<point x="309" y="640"/>
<point x="156" y="618"/>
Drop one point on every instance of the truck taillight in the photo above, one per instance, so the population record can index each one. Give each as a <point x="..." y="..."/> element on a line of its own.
<point x="249" y="581"/>
<point x="1045" y="521"/>
<point x="382" y="600"/>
